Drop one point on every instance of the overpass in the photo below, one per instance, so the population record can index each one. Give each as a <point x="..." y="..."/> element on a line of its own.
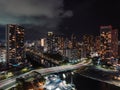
<point x="62" y="68"/>
<point x="5" y="84"/>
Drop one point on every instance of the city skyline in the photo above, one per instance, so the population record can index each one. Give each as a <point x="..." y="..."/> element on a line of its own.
<point x="63" y="16"/>
<point x="61" y="54"/>
<point x="59" y="44"/>
<point x="35" y="35"/>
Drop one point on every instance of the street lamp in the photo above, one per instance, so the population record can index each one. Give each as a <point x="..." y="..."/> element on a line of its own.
<point x="72" y="73"/>
<point x="64" y="76"/>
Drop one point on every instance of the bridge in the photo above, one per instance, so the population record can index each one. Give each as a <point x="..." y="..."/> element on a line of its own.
<point x="5" y="84"/>
<point x="62" y="68"/>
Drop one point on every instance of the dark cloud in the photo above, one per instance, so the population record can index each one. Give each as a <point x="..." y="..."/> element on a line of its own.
<point x="30" y="7"/>
<point x="67" y="14"/>
<point x="62" y="16"/>
<point x="15" y="11"/>
<point x="37" y="16"/>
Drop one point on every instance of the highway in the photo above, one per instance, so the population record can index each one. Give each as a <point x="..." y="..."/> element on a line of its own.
<point x="4" y="84"/>
<point x="62" y="68"/>
<point x="10" y="81"/>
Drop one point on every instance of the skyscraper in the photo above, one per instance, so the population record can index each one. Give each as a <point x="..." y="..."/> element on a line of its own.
<point x="15" y="43"/>
<point x="88" y="44"/>
<point x="50" y="42"/>
<point x="74" y="41"/>
<point x="115" y="42"/>
<point x="109" y="42"/>
<point x="97" y="44"/>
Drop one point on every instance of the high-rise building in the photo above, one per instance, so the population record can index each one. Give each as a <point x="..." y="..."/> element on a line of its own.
<point x="15" y="43"/>
<point x="88" y="45"/>
<point x="62" y="42"/>
<point x="2" y="55"/>
<point x="97" y="44"/>
<point x="74" y="41"/>
<point x="49" y="41"/>
<point x="52" y="42"/>
<point x="115" y="42"/>
<point x="119" y="51"/>
<point x="43" y="44"/>
<point x="109" y="42"/>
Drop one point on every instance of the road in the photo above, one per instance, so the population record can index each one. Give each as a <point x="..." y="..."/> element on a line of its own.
<point x="4" y="84"/>
<point x="10" y="81"/>
<point x="62" y="68"/>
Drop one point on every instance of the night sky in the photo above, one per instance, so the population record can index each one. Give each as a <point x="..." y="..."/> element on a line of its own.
<point x="60" y="16"/>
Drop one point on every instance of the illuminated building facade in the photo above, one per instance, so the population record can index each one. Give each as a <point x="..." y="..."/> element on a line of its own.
<point x="42" y="42"/>
<point x="97" y="44"/>
<point x="88" y="45"/>
<point x="2" y="55"/>
<point x="115" y="42"/>
<point x="61" y="41"/>
<point x="119" y="49"/>
<point x="74" y="41"/>
<point x="52" y="42"/>
<point x="109" y="42"/>
<point x="49" y="41"/>
<point x="15" y="43"/>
